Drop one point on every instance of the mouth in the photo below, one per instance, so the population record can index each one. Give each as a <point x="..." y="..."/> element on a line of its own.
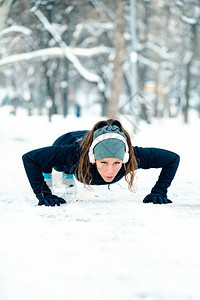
<point x="109" y="178"/>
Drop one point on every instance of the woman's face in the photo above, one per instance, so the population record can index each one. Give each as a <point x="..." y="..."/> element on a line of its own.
<point x="108" y="168"/>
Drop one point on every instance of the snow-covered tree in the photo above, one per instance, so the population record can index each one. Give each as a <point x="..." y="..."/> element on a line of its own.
<point x="50" y="50"/>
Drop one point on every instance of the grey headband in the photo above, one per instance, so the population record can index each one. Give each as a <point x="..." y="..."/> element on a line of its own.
<point x="109" y="142"/>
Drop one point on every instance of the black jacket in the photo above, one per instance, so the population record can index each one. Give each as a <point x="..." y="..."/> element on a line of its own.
<point x="65" y="153"/>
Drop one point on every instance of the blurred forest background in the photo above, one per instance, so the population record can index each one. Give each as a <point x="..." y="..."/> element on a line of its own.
<point x="136" y="58"/>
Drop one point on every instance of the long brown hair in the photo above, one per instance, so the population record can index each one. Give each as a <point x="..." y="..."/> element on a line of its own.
<point x="84" y="163"/>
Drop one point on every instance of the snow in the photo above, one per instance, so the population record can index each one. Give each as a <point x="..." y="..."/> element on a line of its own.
<point x="191" y="21"/>
<point x="108" y="244"/>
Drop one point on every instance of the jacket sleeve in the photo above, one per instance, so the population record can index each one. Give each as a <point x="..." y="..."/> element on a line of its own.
<point x="44" y="158"/>
<point x="158" y="158"/>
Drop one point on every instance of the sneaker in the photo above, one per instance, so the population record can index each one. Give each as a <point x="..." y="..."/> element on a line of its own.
<point x="48" y="178"/>
<point x="70" y="186"/>
<point x="68" y="180"/>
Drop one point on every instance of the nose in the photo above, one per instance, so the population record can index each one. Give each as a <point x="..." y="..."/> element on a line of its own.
<point x="110" y="170"/>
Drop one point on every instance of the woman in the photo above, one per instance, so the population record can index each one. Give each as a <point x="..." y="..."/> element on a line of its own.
<point x="101" y="156"/>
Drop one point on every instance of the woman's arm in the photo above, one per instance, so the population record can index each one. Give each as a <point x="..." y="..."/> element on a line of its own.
<point x="37" y="160"/>
<point x="158" y="158"/>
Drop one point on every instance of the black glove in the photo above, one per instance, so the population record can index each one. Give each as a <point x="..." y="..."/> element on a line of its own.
<point x="49" y="199"/>
<point x="156" y="199"/>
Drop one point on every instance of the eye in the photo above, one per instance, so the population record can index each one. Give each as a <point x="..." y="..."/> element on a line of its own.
<point x="103" y="163"/>
<point x="117" y="163"/>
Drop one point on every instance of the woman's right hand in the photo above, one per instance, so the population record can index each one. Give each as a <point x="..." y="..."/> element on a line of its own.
<point x="49" y="199"/>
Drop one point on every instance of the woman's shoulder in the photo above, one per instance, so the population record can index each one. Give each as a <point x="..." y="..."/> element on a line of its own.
<point x="70" y="137"/>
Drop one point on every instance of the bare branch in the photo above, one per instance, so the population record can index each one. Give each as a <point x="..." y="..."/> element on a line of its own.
<point x="16" y="29"/>
<point x="51" y="52"/>
<point x="68" y="52"/>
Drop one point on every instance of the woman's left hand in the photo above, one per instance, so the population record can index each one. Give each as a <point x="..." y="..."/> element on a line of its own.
<point x="156" y="199"/>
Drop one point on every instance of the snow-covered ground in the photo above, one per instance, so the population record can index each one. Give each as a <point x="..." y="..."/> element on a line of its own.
<point x="108" y="245"/>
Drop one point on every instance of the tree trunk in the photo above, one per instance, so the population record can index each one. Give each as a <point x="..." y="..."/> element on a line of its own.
<point x="119" y="45"/>
<point x="4" y="11"/>
<point x="187" y="93"/>
<point x="188" y="73"/>
<point x="65" y="91"/>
